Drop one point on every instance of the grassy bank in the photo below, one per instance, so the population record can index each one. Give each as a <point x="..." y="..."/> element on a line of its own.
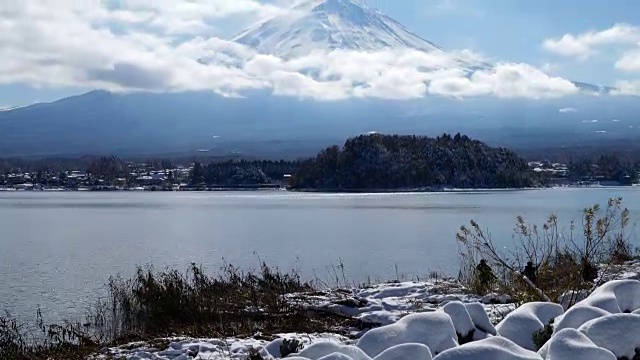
<point x="155" y="304"/>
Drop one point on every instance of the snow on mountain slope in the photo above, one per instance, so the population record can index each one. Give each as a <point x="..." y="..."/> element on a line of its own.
<point x="10" y="108"/>
<point x="330" y="25"/>
<point x="327" y="25"/>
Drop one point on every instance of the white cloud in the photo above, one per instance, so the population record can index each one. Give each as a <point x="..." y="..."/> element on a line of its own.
<point x="567" y="110"/>
<point x="626" y="37"/>
<point x="625" y="87"/>
<point x="505" y="81"/>
<point x="584" y="45"/>
<point x="57" y="45"/>
<point x="630" y="61"/>
<point x="550" y="67"/>
<point x="296" y="84"/>
<point x="178" y="17"/>
<point x="141" y="45"/>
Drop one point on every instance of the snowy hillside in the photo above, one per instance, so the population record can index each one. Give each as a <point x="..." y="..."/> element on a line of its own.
<point x="330" y="25"/>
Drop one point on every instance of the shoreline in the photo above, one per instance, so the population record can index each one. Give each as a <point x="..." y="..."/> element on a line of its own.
<point x="383" y="306"/>
<point x="350" y="313"/>
<point x="278" y="188"/>
<point x="410" y="191"/>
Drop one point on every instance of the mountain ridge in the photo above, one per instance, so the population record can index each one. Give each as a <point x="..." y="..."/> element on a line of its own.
<point x="138" y="122"/>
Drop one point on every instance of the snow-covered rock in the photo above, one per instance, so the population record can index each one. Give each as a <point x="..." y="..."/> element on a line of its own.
<point x="619" y="333"/>
<point x="616" y="296"/>
<point x="493" y="348"/>
<point x="578" y="315"/>
<point x="460" y="316"/>
<point x="470" y="320"/>
<point x="572" y="344"/>
<point x="321" y="349"/>
<point x="406" y="351"/>
<point x="435" y="330"/>
<point x="273" y="348"/>
<point x="480" y="318"/>
<point x="336" y="356"/>
<point x="521" y="323"/>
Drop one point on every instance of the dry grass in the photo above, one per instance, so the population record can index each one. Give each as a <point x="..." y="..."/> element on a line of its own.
<point x="53" y="341"/>
<point x="566" y="260"/>
<point x="155" y="304"/>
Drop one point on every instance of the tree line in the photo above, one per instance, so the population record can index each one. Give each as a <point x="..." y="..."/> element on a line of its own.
<point x="366" y="162"/>
<point x="609" y="167"/>
<point x="240" y="172"/>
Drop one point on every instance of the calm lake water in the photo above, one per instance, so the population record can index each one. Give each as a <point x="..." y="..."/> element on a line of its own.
<point x="58" y="249"/>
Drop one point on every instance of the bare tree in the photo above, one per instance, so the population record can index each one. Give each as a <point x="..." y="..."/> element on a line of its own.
<point x="565" y="261"/>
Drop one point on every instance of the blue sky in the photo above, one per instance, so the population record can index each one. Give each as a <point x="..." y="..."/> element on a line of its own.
<point x="513" y="30"/>
<point x="53" y="51"/>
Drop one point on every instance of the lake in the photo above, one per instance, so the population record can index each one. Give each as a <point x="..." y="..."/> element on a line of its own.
<point x="57" y="250"/>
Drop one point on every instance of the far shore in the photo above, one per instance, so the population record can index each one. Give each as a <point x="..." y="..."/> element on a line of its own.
<point x="276" y="187"/>
<point x="454" y="190"/>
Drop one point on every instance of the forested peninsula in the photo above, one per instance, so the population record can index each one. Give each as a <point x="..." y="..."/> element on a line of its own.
<point x="389" y="162"/>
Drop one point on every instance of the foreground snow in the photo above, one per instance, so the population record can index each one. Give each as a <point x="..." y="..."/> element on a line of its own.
<point x="385" y="304"/>
<point x="627" y="271"/>
<point x="445" y="325"/>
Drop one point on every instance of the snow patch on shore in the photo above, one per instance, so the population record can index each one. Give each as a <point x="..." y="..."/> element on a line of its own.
<point x="385" y="304"/>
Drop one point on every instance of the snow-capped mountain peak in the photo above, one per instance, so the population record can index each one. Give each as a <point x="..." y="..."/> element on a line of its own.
<point x="326" y="25"/>
<point x="330" y="25"/>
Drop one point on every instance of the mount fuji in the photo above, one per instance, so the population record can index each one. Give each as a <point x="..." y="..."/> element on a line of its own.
<point x="330" y="25"/>
<point x="263" y="124"/>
